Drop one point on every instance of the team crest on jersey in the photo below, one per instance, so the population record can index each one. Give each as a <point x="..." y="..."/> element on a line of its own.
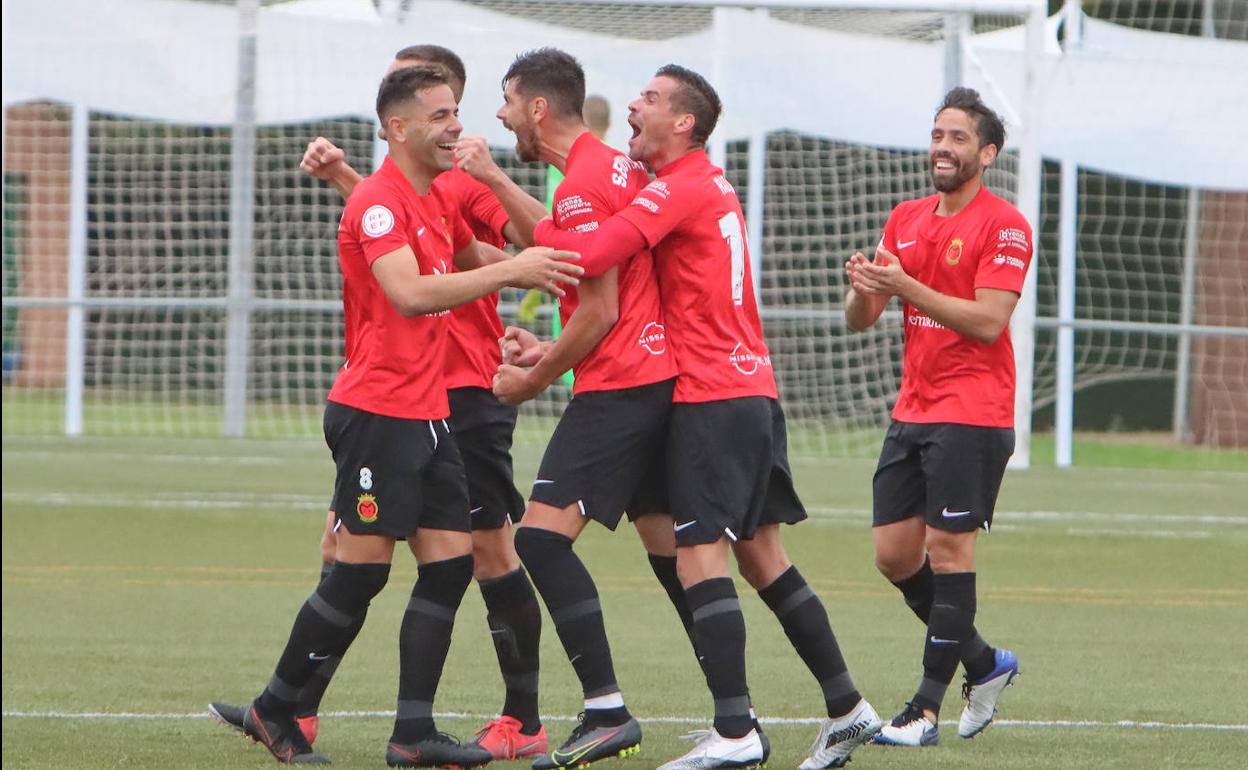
<point x="366" y="507"/>
<point x="653" y="338"/>
<point x="953" y="254"/>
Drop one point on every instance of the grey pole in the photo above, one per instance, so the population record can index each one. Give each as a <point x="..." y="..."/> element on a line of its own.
<point x="242" y="211"/>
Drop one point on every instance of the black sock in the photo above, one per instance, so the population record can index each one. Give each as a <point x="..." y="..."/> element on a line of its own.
<point x="516" y="628"/>
<point x="424" y="639"/>
<point x="805" y="622"/>
<point x="977" y="655"/>
<point x="572" y="600"/>
<point x="309" y="702"/>
<point x="665" y="570"/>
<point x="719" y="628"/>
<point x="320" y="628"/>
<point x="952" y="619"/>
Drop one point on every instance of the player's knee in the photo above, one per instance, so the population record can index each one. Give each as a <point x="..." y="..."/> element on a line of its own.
<point x="535" y="546"/>
<point x="493" y="554"/>
<point x="893" y="565"/>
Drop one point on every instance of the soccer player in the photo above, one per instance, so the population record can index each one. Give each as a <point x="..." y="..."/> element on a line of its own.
<point x="729" y="481"/>
<point x="599" y="462"/>
<point x="956" y="260"/>
<point x="483" y="429"/>
<point x="398" y="468"/>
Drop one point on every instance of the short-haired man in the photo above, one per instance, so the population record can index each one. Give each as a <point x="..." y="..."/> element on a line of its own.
<point x="957" y="261"/>
<point x="599" y="462"/>
<point x="728" y="474"/>
<point x="497" y="213"/>
<point x="398" y="468"/>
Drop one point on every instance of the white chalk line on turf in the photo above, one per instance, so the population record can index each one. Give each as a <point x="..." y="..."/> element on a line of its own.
<point x="1043" y="723"/>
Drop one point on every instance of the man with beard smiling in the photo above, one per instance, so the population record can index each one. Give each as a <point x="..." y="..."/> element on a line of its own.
<point x="956" y="260"/>
<point x="729" y="481"/>
<point x="398" y="467"/>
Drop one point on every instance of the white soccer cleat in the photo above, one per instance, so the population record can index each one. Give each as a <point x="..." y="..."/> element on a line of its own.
<point x="839" y="737"/>
<point x="909" y="728"/>
<point x="982" y="696"/>
<point x="714" y="750"/>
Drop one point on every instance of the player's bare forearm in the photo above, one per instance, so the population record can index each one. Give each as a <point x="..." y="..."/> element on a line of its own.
<point x="479" y="254"/>
<point x="863" y="310"/>
<point x="412" y="293"/>
<point x="345" y="181"/>
<point x="982" y="319"/>
<point x="523" y="210"/>
<point x="596" y="312"/>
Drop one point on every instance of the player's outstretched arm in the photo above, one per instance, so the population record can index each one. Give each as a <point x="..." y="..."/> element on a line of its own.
<point x="478" y="254"/>
<point x="413" y="294"/>
<point x="597" y="310"/>
<point x="325" y="161"/>
<point x="615" y="240"/>
<point x="523" y="210"/>
<point x="982" y="319"/>
<point x="862" y="306"/>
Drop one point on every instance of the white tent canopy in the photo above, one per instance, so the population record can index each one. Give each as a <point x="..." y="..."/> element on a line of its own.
<point x="1128" y="102"/>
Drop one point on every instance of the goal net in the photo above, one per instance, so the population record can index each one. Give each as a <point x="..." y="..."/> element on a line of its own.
<point x="146" y="266"/>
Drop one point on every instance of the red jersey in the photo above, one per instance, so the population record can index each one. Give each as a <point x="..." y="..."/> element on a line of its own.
<point x="599" y="182"/>
<point x="691" y="217"/>
<point x="947" y="377"/>
<point x="393" y="364"/>
<point x="472" y="352"/>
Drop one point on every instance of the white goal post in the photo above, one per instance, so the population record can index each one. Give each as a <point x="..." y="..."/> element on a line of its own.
<point x="168" y="271"/>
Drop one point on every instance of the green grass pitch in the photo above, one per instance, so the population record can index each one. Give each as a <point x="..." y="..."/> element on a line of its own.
<point x="143" y="578"/>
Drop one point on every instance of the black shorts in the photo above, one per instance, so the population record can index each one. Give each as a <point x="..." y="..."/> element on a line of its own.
<point x="483" y="427"/>
<point x="395" y="475"/>
<point x="946" y="472"/>
<point x="728" y="470"/>
<point x="606" y="454"/>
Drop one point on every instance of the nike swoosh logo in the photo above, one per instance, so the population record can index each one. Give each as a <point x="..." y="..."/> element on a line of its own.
<point x="906" y="245"/>
<point x="420" y="232"/>
<point x="314" y="656"/>
<point x="474" y="510"/>
<point x="935" y="640"/>
<point x="948" y="514"/>
<point x="571" y="758"/>
<point x="679" y="527"/>
<point x="543" y="481"/>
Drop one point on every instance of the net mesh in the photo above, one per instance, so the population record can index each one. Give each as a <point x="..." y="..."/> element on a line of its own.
<point x="158" y="238"/>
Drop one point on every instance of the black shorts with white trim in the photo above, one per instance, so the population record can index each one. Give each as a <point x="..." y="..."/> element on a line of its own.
<point x="728" y="470"/>
<point x="395" y="476"/>
<point x="606" y="454"/>
<point x="946" y="472"/>
<point x="483" y="428"/>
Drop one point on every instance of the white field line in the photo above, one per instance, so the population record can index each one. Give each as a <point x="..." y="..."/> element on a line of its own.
<point x="146" y="458"/>
<point x="1128" y="724"/>
<point x="220" y="500"/>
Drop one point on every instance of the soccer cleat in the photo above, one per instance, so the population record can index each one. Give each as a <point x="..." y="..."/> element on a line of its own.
<point x="714" y="750"/>
<point x="590" y="742"/>
<point x="697" y="735"/>
<point x="909" y="728"/>
<point x="232" y="716"/>
<point x="227" y="714"/>
<point x="309" y="726"/>
<point x="982" y="696"/>
<point x="436" y="750"/>
<point x="282" y="737"/>
<point x="503" y="739"/>
<point x="839" y="737"/>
